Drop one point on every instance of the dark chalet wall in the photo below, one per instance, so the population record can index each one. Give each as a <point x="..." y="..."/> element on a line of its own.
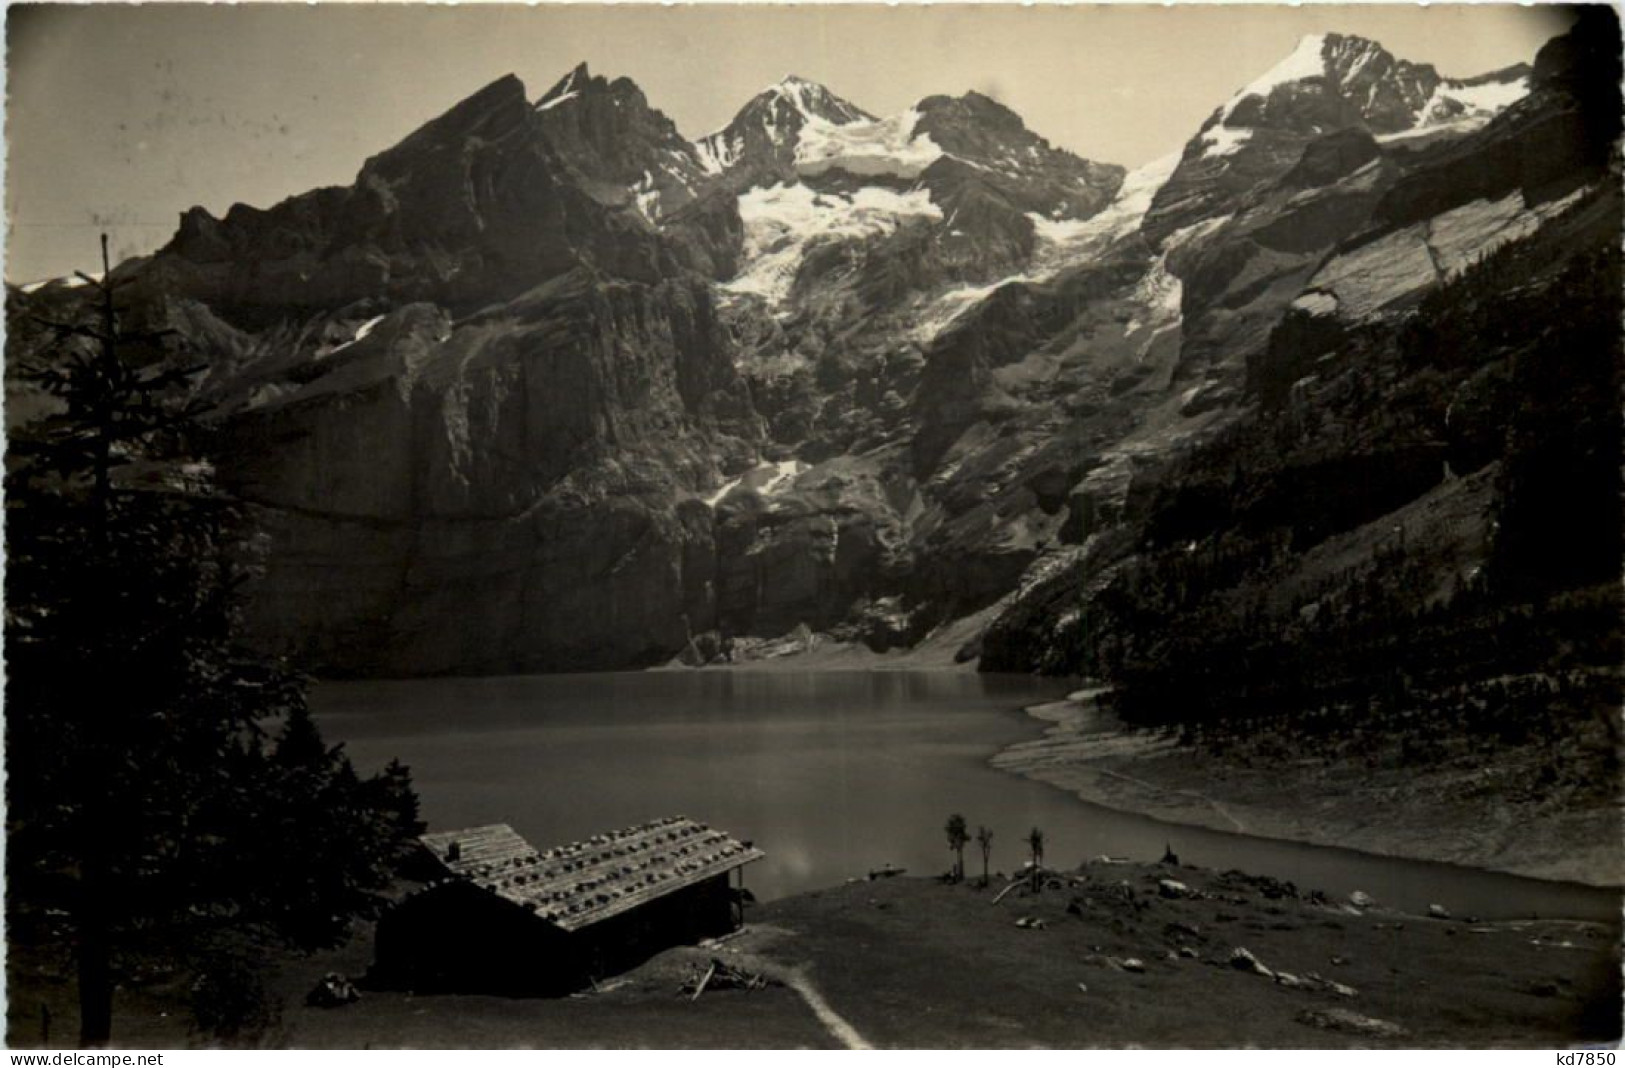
<point x="457" y="938"/>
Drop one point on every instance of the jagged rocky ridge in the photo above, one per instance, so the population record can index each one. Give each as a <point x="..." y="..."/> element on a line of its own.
<point x="551" y="387"/>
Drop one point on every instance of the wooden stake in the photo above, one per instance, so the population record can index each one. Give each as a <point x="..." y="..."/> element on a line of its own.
<point x="709" y="972"/>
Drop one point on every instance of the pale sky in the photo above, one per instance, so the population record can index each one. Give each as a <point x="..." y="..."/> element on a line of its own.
<point x="120" y="117"/>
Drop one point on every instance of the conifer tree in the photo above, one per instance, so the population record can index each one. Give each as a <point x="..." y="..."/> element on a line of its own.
<point x="152" y="796"/>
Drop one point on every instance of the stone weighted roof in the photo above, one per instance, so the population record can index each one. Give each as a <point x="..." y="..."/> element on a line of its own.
<point x="580" y="884"/>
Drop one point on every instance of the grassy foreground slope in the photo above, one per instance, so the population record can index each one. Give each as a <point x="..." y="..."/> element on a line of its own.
<point x="1098" y="957"/>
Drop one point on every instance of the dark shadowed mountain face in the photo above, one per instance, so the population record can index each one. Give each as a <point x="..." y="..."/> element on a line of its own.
<point x="551" y="387"/>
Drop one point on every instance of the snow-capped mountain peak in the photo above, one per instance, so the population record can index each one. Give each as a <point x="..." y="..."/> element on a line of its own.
<point x="1329" y="81"/>
<point x="797" y="126"/>
<point x="813" y="100"/>
<point x="1305" y="61"/>
<point x="1328" y="85"/>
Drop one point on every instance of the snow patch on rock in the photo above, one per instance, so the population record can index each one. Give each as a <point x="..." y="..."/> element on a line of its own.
<point x="716" y="154"/>
<point x="1195" y="231"/>
<point x="360" y="334"/>
<point x="549" y="105"/>
<point x="766" y="479"/>
<point x="646" y="198"/>
<point x="1314" y="303"/>
<point x="1224" y="140"/>
<point x="1161" y="297"/>
<point x="564" y="90"/>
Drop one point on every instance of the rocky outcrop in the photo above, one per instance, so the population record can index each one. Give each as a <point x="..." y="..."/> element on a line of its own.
<point x="616" y="146"/>
<point x="515" y="473"/>
<point x="994" y="148"/>
<point x="837" y="536"/>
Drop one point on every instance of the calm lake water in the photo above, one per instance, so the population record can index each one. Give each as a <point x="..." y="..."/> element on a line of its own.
<point x="831" y="773"/>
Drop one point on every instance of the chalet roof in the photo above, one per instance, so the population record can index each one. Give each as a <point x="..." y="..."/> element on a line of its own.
<point x="578" y="885"/>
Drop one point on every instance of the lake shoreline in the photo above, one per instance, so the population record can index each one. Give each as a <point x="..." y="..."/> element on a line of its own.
<point x="1403" y="813"/>
<point x="1101" y="954"/>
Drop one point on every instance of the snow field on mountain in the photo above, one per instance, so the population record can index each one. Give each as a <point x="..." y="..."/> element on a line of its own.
<point x="1490" y="98"/>
<point x="1480" y="103"/>
<point x="939" y="313"/>
<point x="1061" y="243"/>
<point x="1304" y="62"/>
<point x="829" y="133"/>
<point x="882" y="146"/>
<point x="1160" y="294"/>
<point x="1064" y="242"/>
<point x="1477" y="103"/>
<point x="784" y="222"/>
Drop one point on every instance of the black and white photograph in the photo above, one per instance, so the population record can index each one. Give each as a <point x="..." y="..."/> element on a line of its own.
<point x="825" y="526"/>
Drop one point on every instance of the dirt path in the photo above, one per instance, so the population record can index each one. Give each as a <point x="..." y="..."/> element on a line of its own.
<point x="796" y="977"/>
<point x="843" y="1032"/>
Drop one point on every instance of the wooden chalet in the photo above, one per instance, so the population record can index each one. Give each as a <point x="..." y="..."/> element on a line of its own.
<point x="500" y="916"/>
